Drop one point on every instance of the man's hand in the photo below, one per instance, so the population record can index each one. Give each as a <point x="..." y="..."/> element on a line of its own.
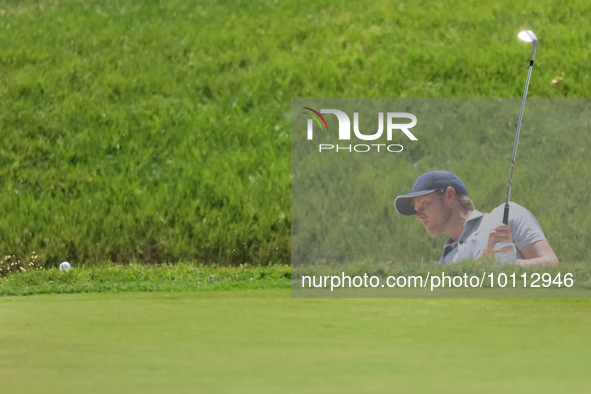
<point x="506" y="257"/>
<point x="501" y="233"/>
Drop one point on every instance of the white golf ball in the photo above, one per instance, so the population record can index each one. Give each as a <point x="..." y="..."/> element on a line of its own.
<point x="65" y="266"/>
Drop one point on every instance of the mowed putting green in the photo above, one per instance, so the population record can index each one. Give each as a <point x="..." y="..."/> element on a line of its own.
<point x="265" y="342"/>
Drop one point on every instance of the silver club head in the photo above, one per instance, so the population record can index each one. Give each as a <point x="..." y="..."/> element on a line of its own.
<point x="529" y="36"/>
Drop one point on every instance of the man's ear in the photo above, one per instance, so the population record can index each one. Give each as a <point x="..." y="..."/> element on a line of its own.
<point x="450" y="195"/>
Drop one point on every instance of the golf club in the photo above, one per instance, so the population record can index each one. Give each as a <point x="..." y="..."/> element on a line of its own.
<point x="527" y="36"/>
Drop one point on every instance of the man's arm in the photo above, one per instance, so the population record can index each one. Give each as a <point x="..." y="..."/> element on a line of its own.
<point x="536" y="253"/>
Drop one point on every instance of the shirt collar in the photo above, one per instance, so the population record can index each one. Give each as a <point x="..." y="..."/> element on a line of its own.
<point x="476" y="214"/>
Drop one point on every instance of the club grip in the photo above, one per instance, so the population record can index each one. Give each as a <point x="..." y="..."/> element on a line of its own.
<point x="506" y="214"/>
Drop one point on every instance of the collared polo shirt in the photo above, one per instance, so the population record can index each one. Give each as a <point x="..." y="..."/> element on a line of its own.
<point x="524" y="228"/>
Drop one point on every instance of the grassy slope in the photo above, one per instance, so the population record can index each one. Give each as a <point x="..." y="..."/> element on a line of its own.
<point x="160" y="130"/>
<point x="265" y="342"/>
<point x="68" y="63"/>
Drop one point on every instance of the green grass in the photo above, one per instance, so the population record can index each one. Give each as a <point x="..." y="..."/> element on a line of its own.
<point x="192" y="277"/>
<point x="108" y="277"/>
<point x="266" y="342"/>
<point x="159" y="131"/>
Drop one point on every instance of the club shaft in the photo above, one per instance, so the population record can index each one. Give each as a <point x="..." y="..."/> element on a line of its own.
<point x="506" y="213"/>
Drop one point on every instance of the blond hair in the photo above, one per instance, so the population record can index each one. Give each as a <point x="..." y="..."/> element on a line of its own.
<point x="465" y="201"/>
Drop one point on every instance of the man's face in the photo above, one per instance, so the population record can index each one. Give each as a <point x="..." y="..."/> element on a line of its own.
<point x="432" y="212"/>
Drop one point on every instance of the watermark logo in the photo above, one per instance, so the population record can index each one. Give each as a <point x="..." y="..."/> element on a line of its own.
<point x="345" y="129"/>
<point x="310" y="124"/>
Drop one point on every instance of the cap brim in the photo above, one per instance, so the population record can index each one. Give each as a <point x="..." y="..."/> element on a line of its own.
<point x="403" y="203"/>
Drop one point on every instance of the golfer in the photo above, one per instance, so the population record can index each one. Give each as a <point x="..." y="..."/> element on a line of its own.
<point x="439" y="199"/>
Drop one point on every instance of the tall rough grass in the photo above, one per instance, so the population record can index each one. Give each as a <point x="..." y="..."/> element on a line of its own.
<point x="159" y="131"/>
